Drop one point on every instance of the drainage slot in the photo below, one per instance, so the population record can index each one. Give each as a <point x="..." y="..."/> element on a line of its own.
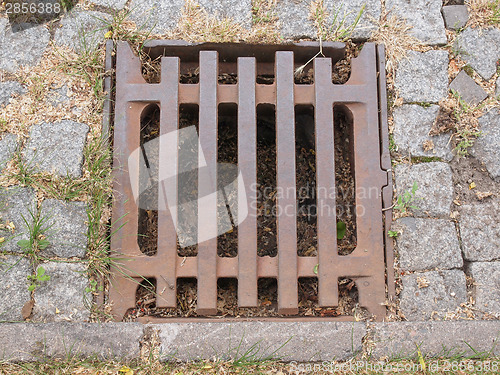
<point x="265" y="79"/>
<point x="304" y="75"/>
<point x="305" y="159"/>
<point x="344" y="180"/>
<point x="348" y="297"/>
<point x="227" y="297"/>
<point x="148" y="181"/>
<point x="187" y="191"/>
<point x="186" y="299"/>
<point x="266" y="181"/>
<point x="192" y="76"/>
<point x="151" y="68"/>
<point x="267" y="292"/>
<point x="227" y="183"/>
<point x="145" y="296"/>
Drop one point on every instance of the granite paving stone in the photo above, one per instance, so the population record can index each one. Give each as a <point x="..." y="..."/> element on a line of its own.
<point x="412" y="124"/>
<point x="435" y="187"/>
<point x="22" y="48"/>
<point x="17" y="209"/>
<point x="82" y="30"/>
<point x="480" y="231"/>
<point x="8" y="146"/>
<point x="426" y="244"/>
<point x="59" y="96"/>
<point x="14" y="294"/>
<point x="63" y="297"/>
<point x="156" y="16"/>
<point x="486" y="277"/>
<point x="57" y="147"/>
<point x="480" y="48"/>
<point x="497" y="89"/>
<point x="486" y="146"/>
<point x="423" y="77"/>
<point x="425" y="17"/>
<point x="8" y="89"/>
<point x="431" y="295"/>
<point x="468" y="89"/>
<point x="294" y="19"/>
<point x="239" y="11"/>
<point x="67" y="228"/>
<point x="348" y="11"/>
<point x="455" y="16"/>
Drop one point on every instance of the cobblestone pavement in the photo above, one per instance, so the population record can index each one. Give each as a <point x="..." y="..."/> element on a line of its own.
<point x="447" y="250"/>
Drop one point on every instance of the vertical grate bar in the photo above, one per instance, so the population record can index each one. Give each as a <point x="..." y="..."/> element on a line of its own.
<point x="325" y="182"/>
<point x="167" y="186"/>
<point x="207" y="185"/>
<point x="286" y="204"/>
<point x="247" y="163"/>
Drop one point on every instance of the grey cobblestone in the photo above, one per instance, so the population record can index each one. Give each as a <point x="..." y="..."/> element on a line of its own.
<point x="82" y="30"/>
<point x="63" y="297"/>
<point x="468" y="89"/>
<point x="240" y="11"/>
<point x="497" y="90"/>
<point x="423" y="77"/>
<point x="8" y="146"/>
<point x="480" y="48"/>
<point x="294" y="19"/>
<point x="425" y="17"/>
<point x="57" y="147"/>
<point x="435" y="187"/>
<point x="67" y="233"/>
<point x="59" y="96"/>
<point x="426" y="244"/>
<point x="14" y="292"/>
<point x="431" y="295"/>
<point x="455" y="16"/>
<point x="486" y="277"/>
<point x="486" y="146"/>
<point x="156" y="16"/>
<point x="17" y="207"/>
<point x="9" y="88"/>
<point x="22" y="48"/>
<point x="412" y="124"/>
<point x="480" y="231"/>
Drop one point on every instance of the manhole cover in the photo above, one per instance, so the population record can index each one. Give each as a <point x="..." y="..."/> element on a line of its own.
<point x="238" y="168"/>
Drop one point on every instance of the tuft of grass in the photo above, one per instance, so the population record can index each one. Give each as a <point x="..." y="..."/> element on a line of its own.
<point x="465" y="140"/>
<point x="37" y="233"/>
<point x="339" y="29"/>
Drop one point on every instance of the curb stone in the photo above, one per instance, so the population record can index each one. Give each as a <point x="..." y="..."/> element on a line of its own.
<point x="32" y="342"/>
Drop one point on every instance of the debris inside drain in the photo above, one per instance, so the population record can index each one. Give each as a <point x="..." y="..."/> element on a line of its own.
<point x="227" y="303"/>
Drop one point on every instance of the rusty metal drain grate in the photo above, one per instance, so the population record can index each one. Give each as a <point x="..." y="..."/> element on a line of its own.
<point x="362" y="97"/>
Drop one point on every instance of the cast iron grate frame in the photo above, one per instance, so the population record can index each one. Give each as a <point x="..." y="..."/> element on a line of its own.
<point x="370" y="265"/>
